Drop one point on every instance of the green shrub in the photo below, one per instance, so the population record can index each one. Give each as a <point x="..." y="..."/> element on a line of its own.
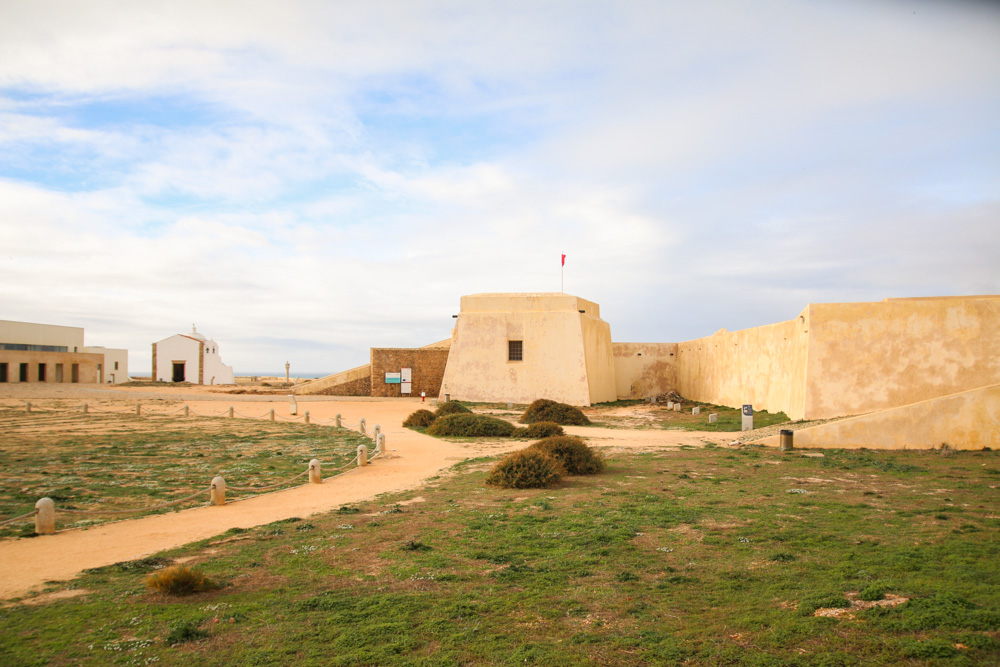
<point x="470" y="425"/>
<point x="451" y="408"/>
<point x="544" y="410"/>
<point x="576" y="457"/>
<point x="420" y="418"/>
<point x="180" y="580"/>
<point x="872" y="592"/>
<point x="525" y="469"/>
<point x="928" y="648"/>
<point x="185" y="631"/>
<point x="544" y="430"/>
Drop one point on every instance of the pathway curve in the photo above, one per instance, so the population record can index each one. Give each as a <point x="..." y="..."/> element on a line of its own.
<point x="28" y="563"/>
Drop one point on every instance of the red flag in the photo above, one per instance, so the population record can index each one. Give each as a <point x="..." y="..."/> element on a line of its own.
<point x="564" y="260"/>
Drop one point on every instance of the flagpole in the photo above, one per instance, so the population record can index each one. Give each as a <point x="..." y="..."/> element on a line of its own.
<point x="562" y="274"/>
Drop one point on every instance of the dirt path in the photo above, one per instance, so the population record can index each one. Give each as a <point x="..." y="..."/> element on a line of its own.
<point x="26" y="564"/>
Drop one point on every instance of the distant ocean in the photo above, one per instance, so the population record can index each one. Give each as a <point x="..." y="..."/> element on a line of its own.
<point x="291" y="374"/>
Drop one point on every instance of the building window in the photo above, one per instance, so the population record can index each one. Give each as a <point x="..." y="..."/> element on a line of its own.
<point x="116" y="365"/>
<point x="515" y="350"/>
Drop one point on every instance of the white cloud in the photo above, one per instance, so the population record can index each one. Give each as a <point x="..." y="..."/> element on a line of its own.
<point x="339" y="174"/>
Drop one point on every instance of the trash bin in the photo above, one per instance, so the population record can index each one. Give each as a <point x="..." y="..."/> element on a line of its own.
<point x="786" y="440"/>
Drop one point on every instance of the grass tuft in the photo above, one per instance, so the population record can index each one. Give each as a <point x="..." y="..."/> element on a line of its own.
<point x="526" y="469"/>
<point x="180" y="580"/>
<point x="571" y="452"/>
<point x="543" y="430"/>
<point x="420" y="419"/>
<point x="469" y="425"/>
<point x="544" y="410"/>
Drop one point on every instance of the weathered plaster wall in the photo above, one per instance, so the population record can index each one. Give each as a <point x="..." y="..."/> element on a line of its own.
<point x="600" y="359"/>
<point x="966" y="420"/>
<point x="557" y="339"/>
<point x="872" y="356"/>
<point x="644" y="369"/>
<point x="427" y="366"/>
<point x="764" y="366"/>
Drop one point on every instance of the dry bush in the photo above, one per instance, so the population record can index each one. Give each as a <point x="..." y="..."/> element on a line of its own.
<point x="525" y="469"/>
<point x="543" y="430"/>
<point x="544" y="410"/>
<point x="180" y="580"/>
<point x="451" y="408"/>
<point x="576" y="457"/>
<point x="470" y="425"/>
<point x="420" y="418"/>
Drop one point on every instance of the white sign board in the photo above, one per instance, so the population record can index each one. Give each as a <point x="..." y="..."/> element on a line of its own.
<point x="406" y="374"/>
<point x="405" y="387"/>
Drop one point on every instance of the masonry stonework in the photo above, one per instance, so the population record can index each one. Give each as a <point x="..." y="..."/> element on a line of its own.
<point x="427" y="364"/>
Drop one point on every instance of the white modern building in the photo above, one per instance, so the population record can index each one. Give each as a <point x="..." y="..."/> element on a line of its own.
<point x="32" y="352"/>
<point x="190" y="358"/>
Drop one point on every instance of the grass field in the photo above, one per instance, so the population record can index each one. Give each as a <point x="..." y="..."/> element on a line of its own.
<point x="696" y="556"/>
<point x="121" y="461"/>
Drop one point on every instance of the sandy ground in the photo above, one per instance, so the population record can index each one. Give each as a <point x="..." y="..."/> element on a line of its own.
<point x="28" y="563"/>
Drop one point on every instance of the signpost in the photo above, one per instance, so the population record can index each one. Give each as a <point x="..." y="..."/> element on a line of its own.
<point x="747" y="417"/>
<point x="406" y="380"/>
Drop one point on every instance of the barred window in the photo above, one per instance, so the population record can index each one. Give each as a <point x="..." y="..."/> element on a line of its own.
<point x="515" y="350"/>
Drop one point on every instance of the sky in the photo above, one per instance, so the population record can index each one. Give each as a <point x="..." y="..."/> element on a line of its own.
<point x="305" y="180"/>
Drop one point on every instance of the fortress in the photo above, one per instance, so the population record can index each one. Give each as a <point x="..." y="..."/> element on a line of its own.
<point x="939" y="354"/>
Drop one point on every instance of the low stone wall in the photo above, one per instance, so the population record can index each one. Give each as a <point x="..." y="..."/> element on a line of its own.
<point x="358" y="387"/>
<point x="427" y="365"/>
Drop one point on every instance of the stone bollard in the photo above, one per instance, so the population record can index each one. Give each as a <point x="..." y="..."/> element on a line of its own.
<point x="376" y="431"/>
<point x="293" y="407"/>
<point x="307" y="416"/>
<point x="696" y="410"/>
<point x="315" y="472"/>
<point x="138" y="408"/>
<point x="218" y="492"/>
<point x="271" y="415"/>
<point x="338" y="419"/>
<point x="362" y="456"/>
<point x="85" y="408"/>
<point x="713" y="417"/>
<point x="380" y="442"/>
<point x="186" y="410"/>
<point x="230" y="412"/>
<point x="361" y="426"/>
<point x="27" y="406"/>
<point x="45" y="520"/>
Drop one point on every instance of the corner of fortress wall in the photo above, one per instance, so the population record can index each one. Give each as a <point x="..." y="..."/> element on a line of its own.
<point x="968" y="420"/>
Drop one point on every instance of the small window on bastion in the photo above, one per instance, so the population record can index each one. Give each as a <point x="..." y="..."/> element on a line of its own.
<point x="515" y="350"/>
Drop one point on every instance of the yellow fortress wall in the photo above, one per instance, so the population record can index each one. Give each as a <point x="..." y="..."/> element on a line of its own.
<point x="966" y="420"/>
<point x="764" y="366"/>
<point x="873" y="356"/>
<point x="567" y="353"/>
<point x="644" y="369"/>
